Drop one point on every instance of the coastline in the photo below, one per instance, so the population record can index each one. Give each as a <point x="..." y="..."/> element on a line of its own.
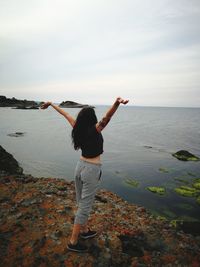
<point x="37" y="218"/>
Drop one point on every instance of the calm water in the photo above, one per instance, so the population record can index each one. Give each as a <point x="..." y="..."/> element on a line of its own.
<point x="46" y="151"/>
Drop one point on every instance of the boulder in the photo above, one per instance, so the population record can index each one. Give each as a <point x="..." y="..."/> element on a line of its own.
<point x="184" y="155"/>
<point x="8" y="164"/>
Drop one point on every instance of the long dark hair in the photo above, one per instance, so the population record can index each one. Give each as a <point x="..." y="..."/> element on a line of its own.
<point x="85" y="119"/>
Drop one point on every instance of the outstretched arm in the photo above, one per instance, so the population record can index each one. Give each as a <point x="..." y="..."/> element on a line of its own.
<point x="105" y="120"/>
<point x="70" y="119"/>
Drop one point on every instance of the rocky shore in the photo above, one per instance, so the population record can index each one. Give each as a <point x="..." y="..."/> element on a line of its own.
<point x="36" y="220"/>
<point x="29" y="104"/>
<point x="17" y="103"/>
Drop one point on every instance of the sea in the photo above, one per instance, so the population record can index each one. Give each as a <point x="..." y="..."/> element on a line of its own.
<point x="138" y="147"/>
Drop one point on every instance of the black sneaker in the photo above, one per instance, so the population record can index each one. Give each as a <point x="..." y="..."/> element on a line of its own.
<point x="78" y="247"/>
<point x="89" y="234"/>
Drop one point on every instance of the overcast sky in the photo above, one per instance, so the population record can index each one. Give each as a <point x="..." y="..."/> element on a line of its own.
<point x="92" y="51"/>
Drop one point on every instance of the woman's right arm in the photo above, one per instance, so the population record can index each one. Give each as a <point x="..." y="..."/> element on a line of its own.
<point x="105" y="120"/>
<point x="70" y="119"/>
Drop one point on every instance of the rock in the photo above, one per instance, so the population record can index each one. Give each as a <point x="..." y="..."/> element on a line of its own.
<point x="71" y="104"/>
<point x="185" y="156"/>
<point x="34" y="229"/>
<point x="196" y="185"/>
<point x="189" y="227"/>
<point x="100" y="199"/>
<point x="17" y="134"/>
<point x="131" y="182"/>
<point x="186" y="191"/>
<point x="133" y="245"/>
<point x="164" y="170"/>
<point x="30" y="201"/>
<point x="23" y="106"/>
<point x="157" y="190"/>
<point x="8" y="163"/>
<point x="198" y="200"/>
<point x="19" y="104"/>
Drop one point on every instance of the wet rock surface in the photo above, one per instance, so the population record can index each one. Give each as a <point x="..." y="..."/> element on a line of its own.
<point x="184" y="155"/>
<point x="16" y="134"/>
<point x="36" y="220"/>
<point x="8" y="163"/>
<point x="17" y="103"/>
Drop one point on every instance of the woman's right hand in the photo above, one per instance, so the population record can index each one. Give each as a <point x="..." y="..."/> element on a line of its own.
<point x="45" y="105"/>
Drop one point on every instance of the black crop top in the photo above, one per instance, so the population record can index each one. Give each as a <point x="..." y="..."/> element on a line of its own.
<point x="93" y="145"/>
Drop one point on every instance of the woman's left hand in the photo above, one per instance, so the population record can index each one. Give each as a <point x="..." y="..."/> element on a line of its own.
<point x="122" y="101"/>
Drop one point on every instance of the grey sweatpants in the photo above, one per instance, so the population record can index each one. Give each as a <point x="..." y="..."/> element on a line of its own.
<point x="87" y="181"/>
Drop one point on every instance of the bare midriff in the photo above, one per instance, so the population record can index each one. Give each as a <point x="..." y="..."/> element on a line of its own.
<point x="96" y="160"/>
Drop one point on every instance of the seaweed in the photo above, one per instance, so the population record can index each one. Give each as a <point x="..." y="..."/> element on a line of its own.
<point x="186" y="191"/>
<point x="157" y="190"/>
<point x="131" y="182"/>
<point x="163" y="170"/>
<point x="198" y="200"/>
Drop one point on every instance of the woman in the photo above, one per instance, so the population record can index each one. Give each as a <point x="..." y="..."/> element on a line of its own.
<point x="86" y="135"/>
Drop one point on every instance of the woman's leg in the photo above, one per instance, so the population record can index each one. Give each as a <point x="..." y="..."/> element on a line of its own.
<point x="77" y="229"/>
<point x="78" y="189"/>
<point x="90" y="177"/>
<point x="86" y="185"/>
<point x="75" y="233"/>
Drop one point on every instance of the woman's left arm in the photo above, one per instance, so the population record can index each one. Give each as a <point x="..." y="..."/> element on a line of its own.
<point x="70" y="119"/>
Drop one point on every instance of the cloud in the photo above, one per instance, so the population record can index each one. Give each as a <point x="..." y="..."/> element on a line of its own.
<point x="145" y="50"/>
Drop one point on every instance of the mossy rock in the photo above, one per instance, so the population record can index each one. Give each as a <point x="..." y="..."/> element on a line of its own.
<point x="196" y="185"/>
<point x="174" y="223"/>
<point x="198" y="200"/>
<point x="161" y="218"/>
<point x="157" y="190"/>
<point x="186" y="191"/>
<point x="131" y="182"/>
<point x="184" y="155"/>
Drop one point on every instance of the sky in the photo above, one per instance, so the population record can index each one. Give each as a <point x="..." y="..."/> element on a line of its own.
<point x="94" y="51"/>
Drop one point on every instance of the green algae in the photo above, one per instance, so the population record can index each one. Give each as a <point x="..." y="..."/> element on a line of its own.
<point x="198" y="200"/>
<point x="161" y="218"/>
<point x="186" y="191"/>
<point x="196" y="185"/>
<point x="163" y="170"/>
<point x="157" y="190"/>
<point x="193" y="159"/>
<point x="174" y="223"/>
<point x="131" y="182"/>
